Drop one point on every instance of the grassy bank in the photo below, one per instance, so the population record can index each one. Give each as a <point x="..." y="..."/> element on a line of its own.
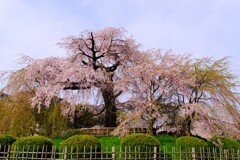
<point x="109" y="141"/>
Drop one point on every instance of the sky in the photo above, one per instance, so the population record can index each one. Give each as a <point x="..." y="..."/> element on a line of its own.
<point x="201" y="27"/>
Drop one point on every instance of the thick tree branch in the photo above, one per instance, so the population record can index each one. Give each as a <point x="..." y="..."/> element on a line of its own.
<point x="74" y="86"/>
<point x="97" y="114"/>
<point x="113" y="67"/>
<point x="118" y="94"/>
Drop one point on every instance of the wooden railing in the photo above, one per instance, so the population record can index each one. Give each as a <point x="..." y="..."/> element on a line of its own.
<point x="106" y="131"/>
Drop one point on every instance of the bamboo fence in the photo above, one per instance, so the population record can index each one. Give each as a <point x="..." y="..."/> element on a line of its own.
<point x="113" y="153"/>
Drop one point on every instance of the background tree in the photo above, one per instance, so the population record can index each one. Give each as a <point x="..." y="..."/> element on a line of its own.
<point x="152" y="84"/>
<point x="16" y="115"/>
<point x="214" y="95"/>
<point x="51" y="122"/>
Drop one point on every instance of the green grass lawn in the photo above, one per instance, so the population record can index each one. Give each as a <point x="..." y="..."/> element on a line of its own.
<point x="57" y="142"/>
<point x="109" y="141"/>
<point x="167" y="141"/>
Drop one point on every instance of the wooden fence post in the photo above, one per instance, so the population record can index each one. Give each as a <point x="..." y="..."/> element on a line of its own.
<point x="120" y="153"/>
<point x="8" y="152"/>
<point x="174" y="153"/>
<point x="180" y="153"/>
<point x="238" y="154"/>
<point x="193" y="154"/>
<point x="155" y="153"/>
<point x="65" y="153"/>
<point x="113" y="153"/>
<point x="225" y="153"/>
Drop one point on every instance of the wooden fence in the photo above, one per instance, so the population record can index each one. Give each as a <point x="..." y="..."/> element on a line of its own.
<point x="106" y="131"/>
<point x="112" y="153"/>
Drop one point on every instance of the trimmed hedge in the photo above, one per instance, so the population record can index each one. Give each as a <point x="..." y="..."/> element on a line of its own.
<point x="33" y="144"/>
<point x="32" y="141"/>
<point x="6" y="139"/>
<point x="79" y="143"/>
<point x="224" y="142"/>
<point x="189" y="142"/>
<point x="71" y="132"/>
<point x="139" y="142"/>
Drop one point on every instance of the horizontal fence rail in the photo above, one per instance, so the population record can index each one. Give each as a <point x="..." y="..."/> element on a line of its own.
<point x="106" y="131"/>
<point x="113" y="153"/>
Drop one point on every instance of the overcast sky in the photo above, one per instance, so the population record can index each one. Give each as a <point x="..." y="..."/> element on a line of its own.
<point x="202" y="27"/>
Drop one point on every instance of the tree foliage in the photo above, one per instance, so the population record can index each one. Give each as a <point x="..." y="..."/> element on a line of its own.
<point x="213" y="96"/>
<point x="51" y="121"/>
<point x="18" y="118"/>
<point x="152" y="84"/>
<point x="16" y="115"/>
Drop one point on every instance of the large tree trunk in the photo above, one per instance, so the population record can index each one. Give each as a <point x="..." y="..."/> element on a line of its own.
<point x="187" y="124"/>
<point x="186" y="127"/>
<point x="150" y="126"/>
<point x="110" y="106"/>
<point x="150" y="121"/>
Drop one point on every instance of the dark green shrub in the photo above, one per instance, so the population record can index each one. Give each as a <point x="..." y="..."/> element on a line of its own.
<point x="140" y="143"/>
<point x="190" y="142"/>
<point x="210" y="144"/>
<point x="85" y="118"/>
<point x="71" y="132"/>
<point x="5" y="142"/>
<point x="79" y="143"/>
<point x="224" y="142"/>
<point x="36" y="144"/>
<point x="6" y="139"/>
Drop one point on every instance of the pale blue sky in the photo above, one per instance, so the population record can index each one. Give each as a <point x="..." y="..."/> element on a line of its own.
<point x="202" y="27"/>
